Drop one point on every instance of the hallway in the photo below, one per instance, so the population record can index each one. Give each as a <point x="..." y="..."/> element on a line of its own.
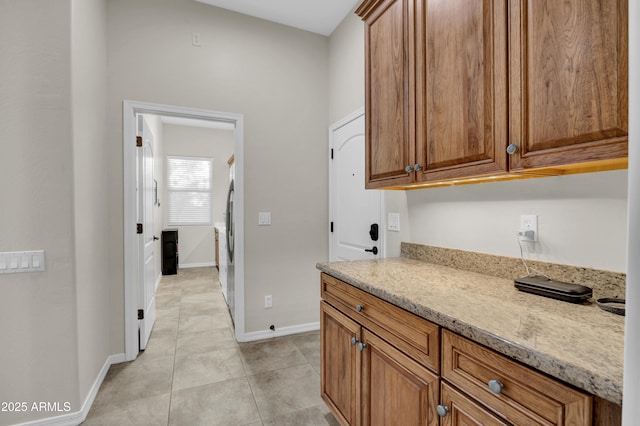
<point x="194" y="373"/>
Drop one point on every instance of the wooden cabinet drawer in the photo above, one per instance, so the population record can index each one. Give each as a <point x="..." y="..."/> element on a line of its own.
<point x="526" y="398"/>
<point x="461" y="410"/>
<point x="415" y="336"/>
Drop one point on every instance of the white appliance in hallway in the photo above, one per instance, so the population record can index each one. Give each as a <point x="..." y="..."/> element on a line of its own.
<point x="222" y="258"/>
<point x="230" y="242"/>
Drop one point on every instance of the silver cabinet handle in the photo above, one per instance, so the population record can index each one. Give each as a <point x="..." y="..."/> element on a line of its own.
<point x="496" y="386"/>
<point x="442" y="410"/>
<point x="417" y="167"/>
<point x="408" y="169"/>
<point x="354" y="340"/>
<point x="512" y="149"/>
<point x="359" y="308"/>
<point x="361" y="346"/>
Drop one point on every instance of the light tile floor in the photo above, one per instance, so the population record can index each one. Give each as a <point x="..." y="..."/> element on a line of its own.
<point x="194" y="373"/>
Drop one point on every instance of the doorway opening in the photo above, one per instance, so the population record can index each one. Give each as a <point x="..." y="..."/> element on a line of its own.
<point x="131" y="109"/>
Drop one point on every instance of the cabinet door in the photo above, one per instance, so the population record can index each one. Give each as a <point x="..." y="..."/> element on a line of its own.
<point x="389" y="95"/>
<point x="339" y="364"/>
<point x="461" y="81"/>
<point x="395" y="389"/>
<point x="568" y="81"/>
<point x="462" y="411"/>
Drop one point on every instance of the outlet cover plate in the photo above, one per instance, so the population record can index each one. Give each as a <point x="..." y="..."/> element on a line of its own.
<point x="529" y="222"/>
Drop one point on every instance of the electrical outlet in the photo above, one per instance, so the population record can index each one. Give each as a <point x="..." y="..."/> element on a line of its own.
<point x="268" y="301"/>
<point x="528" y="230"/>
<point x="264" y="218"/>
<point x="195" y="39"/>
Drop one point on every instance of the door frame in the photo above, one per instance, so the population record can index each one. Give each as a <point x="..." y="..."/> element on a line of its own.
<point x="383" y="220"/>
<point x="129" y="126"/>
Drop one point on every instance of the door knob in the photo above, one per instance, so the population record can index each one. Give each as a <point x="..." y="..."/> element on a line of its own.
<point x="408" y="169"/>
<point x="373" y="250"/>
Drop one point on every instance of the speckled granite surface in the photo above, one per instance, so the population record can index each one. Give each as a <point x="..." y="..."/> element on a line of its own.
<point x="604" y="283"/>
<point x="578" y="344"/>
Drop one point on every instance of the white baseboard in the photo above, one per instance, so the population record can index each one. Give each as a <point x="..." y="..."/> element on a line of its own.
<point x="284" y="331"/>
<point x="197" y="265"/>
<point x="77" y="417"/>
<point x="157" y="282"/>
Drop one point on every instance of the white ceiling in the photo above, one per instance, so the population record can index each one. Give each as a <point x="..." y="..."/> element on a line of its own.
<point x="318" y="16"/>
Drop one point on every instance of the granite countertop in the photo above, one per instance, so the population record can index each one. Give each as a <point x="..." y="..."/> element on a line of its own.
<point x="579" y="344"/>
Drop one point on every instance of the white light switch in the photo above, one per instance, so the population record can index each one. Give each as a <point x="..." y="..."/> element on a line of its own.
<point x="13" y="262"/>
<point x="264" y="218"/>
<point x="393" y="222"/>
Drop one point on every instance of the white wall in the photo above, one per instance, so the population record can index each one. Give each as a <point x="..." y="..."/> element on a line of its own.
<point x="277" y="77"/>
<point x="582" y="218"/>
<point x="52" y="124"/>
<point x="197" y="243"/>
<point x="90" y="171"/>
<point x="346" y="68"/>
<point x="39" y="356"/>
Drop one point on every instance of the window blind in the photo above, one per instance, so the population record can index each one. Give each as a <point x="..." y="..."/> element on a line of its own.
<point x="189" y="190"/>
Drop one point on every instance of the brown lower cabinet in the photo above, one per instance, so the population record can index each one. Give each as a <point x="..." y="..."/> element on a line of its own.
<point x="365" y="380"/>
<point x="421" y="375"/>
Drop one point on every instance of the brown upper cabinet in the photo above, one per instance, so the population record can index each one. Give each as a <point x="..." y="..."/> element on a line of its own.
<point x="458" y="90"/>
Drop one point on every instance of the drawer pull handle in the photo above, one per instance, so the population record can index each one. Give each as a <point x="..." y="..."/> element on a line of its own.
<point x="442" y="410"/>
<point x="495" y="386"/>
<point x="361" y="346"/>
<point x="408" y="169"/>
<point x="354" y="340"/>
<point x="359" y="308"/>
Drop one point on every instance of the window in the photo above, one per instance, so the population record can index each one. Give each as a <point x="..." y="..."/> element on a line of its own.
<point x="189" y="190"/>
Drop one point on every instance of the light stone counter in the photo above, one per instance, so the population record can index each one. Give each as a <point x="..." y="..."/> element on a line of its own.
<point x="579" y="344"/>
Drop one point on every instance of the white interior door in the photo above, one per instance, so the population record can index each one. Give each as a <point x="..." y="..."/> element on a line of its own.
<point x="146" y="243"/>
<point x="353" y="210"/>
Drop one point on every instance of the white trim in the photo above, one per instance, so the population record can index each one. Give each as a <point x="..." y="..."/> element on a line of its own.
<point x="155" y="287"/>
<point x="77" y="417"/>
<point x="197" y="265"/>
<point x="129" y="110"/>
<point x="348" y="119"/>
<point x="284" y="331"/>
<point x="631" y="377"/>
<point x="383" y="205"/>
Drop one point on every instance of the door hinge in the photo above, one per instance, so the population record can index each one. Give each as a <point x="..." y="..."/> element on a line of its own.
<point x="138" y="141"/>
<point x="140" y="314"/>
<point x="332" y="153"/>
<point x="139" y="229"/>
<point x="331" y="226"/>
